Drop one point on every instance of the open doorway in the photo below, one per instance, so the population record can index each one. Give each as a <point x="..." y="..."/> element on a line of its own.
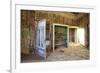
<point x="72" y="34"/>
<point x="60" y="36"/>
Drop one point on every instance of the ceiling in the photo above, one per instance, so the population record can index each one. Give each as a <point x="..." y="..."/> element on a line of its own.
<point x="70" y="15"/>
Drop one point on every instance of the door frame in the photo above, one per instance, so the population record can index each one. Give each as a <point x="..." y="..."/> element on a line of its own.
<point x="64" y="25"/>
<point x="76" y="27"/>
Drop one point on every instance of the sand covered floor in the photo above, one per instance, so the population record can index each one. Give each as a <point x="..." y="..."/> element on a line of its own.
<point x="73" y="52"/>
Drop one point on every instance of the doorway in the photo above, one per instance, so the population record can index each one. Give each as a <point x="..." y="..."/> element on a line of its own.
<point x="72" y="34"/>
<point x="60" y="36"/>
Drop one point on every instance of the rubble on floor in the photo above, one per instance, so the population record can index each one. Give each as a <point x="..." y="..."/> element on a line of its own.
<point x="73" y="52"/>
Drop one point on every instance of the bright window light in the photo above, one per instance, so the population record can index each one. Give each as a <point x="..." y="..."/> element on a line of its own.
<point x="81" y="35"/>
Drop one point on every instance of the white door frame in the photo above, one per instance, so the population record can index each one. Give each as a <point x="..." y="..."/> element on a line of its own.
<point x="76" y="38"/>
<point x="55" y="24"/>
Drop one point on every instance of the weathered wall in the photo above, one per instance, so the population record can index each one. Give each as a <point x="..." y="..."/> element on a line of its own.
<point x="29" y="19"/>
<point x="85" y="23"/>
<point x="27" y="31"/>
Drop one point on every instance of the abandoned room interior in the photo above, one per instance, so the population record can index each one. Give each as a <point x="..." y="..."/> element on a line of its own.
<point x="54" y="36"/>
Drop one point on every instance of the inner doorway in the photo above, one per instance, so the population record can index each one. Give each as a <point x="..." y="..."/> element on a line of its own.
<point x="72" y="34"/>
<point x="60" y="36"/>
